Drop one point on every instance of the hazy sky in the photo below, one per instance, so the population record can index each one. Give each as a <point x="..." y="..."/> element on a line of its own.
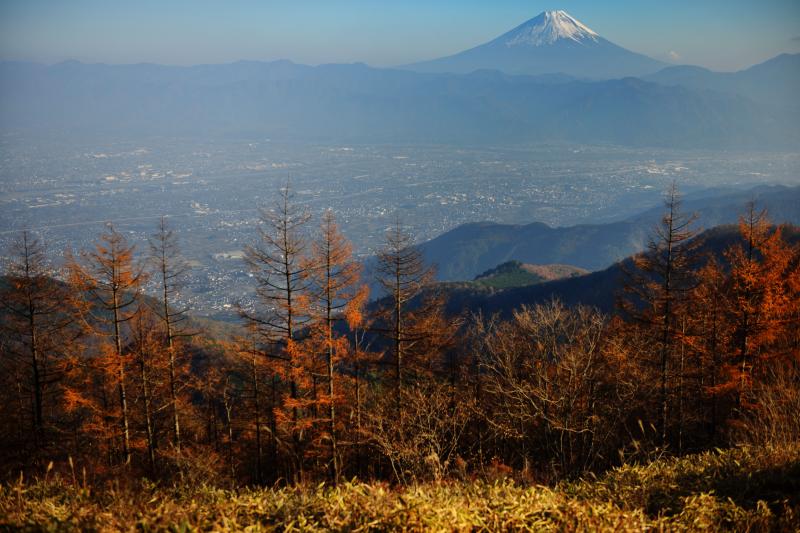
<point x="719" y="34"/>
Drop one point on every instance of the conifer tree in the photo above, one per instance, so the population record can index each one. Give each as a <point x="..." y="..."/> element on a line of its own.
<point x="402" y="274"/>
<point x="145" y="346"/>
<point x="710" y="337"/>
<point x="110" y="280"/>
<point x="170" y="271"/>
<point x="282" y="272"/>
<point x="658" y="289"/>
<point x="336" y="297"/>
<point x="37" y="328"/>
<point x="760" y="277"/>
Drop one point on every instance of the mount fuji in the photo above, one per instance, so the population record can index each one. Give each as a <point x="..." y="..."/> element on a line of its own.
<point x="552" y="42"/>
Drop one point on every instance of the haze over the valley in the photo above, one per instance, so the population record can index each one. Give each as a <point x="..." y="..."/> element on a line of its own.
<point x="550" y="121"/>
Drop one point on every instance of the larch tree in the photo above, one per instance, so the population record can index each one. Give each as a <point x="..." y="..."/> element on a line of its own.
<point x="412" y="324"/>
<point x="337" y="296"/>
<point x="251" y="358"/>
<point x="658" y="288"/>
<point x="144" y="343"/>
<point x="402" y="274"/>
<point x="279" y="264"/>
<point x="710" y="337"/>
<point x="759" y="296"/>
<point x="110" y="280"/>
<point x="791" y="334"/>
<point x="37" y="326"/>
<point x="170" y="271"/>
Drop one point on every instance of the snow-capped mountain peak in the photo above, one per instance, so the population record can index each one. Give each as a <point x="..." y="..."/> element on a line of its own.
<point x="552" y="42"/>
<point x="547" y="28"/>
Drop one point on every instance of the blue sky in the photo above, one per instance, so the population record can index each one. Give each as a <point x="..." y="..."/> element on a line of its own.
<point x="723" y="35"/>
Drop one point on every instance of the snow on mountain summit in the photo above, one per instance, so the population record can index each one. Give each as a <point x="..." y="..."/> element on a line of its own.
<point x="547" y="28"/>
<point x="552" y="42"/>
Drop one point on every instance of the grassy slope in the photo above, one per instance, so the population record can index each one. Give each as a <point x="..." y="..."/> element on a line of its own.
<point x="738" y="489"/>
<point x="517" y="274"/>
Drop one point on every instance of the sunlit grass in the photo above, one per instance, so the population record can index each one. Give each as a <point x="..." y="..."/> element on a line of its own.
<point x="741" y="489"/>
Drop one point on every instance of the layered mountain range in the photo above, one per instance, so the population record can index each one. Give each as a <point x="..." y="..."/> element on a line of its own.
<point x="599" y="289"/>
<point x="471" y="249"/>
<point x="552" y="79"/>
<point x="527" y="261"/>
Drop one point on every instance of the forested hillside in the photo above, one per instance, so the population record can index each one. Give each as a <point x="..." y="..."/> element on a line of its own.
<point x="599" y="289"/>
<point x="694" y="347"/>
<point x="468" y="250"/>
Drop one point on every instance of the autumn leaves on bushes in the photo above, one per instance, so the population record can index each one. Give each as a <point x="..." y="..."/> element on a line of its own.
<point x="105" y="373"/>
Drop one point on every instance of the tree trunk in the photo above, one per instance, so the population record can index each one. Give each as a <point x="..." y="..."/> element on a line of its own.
<point x="123" y="401"/>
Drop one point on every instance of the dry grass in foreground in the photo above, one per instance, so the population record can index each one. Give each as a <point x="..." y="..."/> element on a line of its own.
<point x="740" y="489"/>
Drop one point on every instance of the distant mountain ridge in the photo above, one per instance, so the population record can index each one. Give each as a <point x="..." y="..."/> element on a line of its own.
<point x="550" y="79"/>
<point x="466" y="251"/>
<point x="773" y="83"/>
<point x="356" y="103"/>
<point x="597" y="289"/>
<point x="551" y="42"/>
